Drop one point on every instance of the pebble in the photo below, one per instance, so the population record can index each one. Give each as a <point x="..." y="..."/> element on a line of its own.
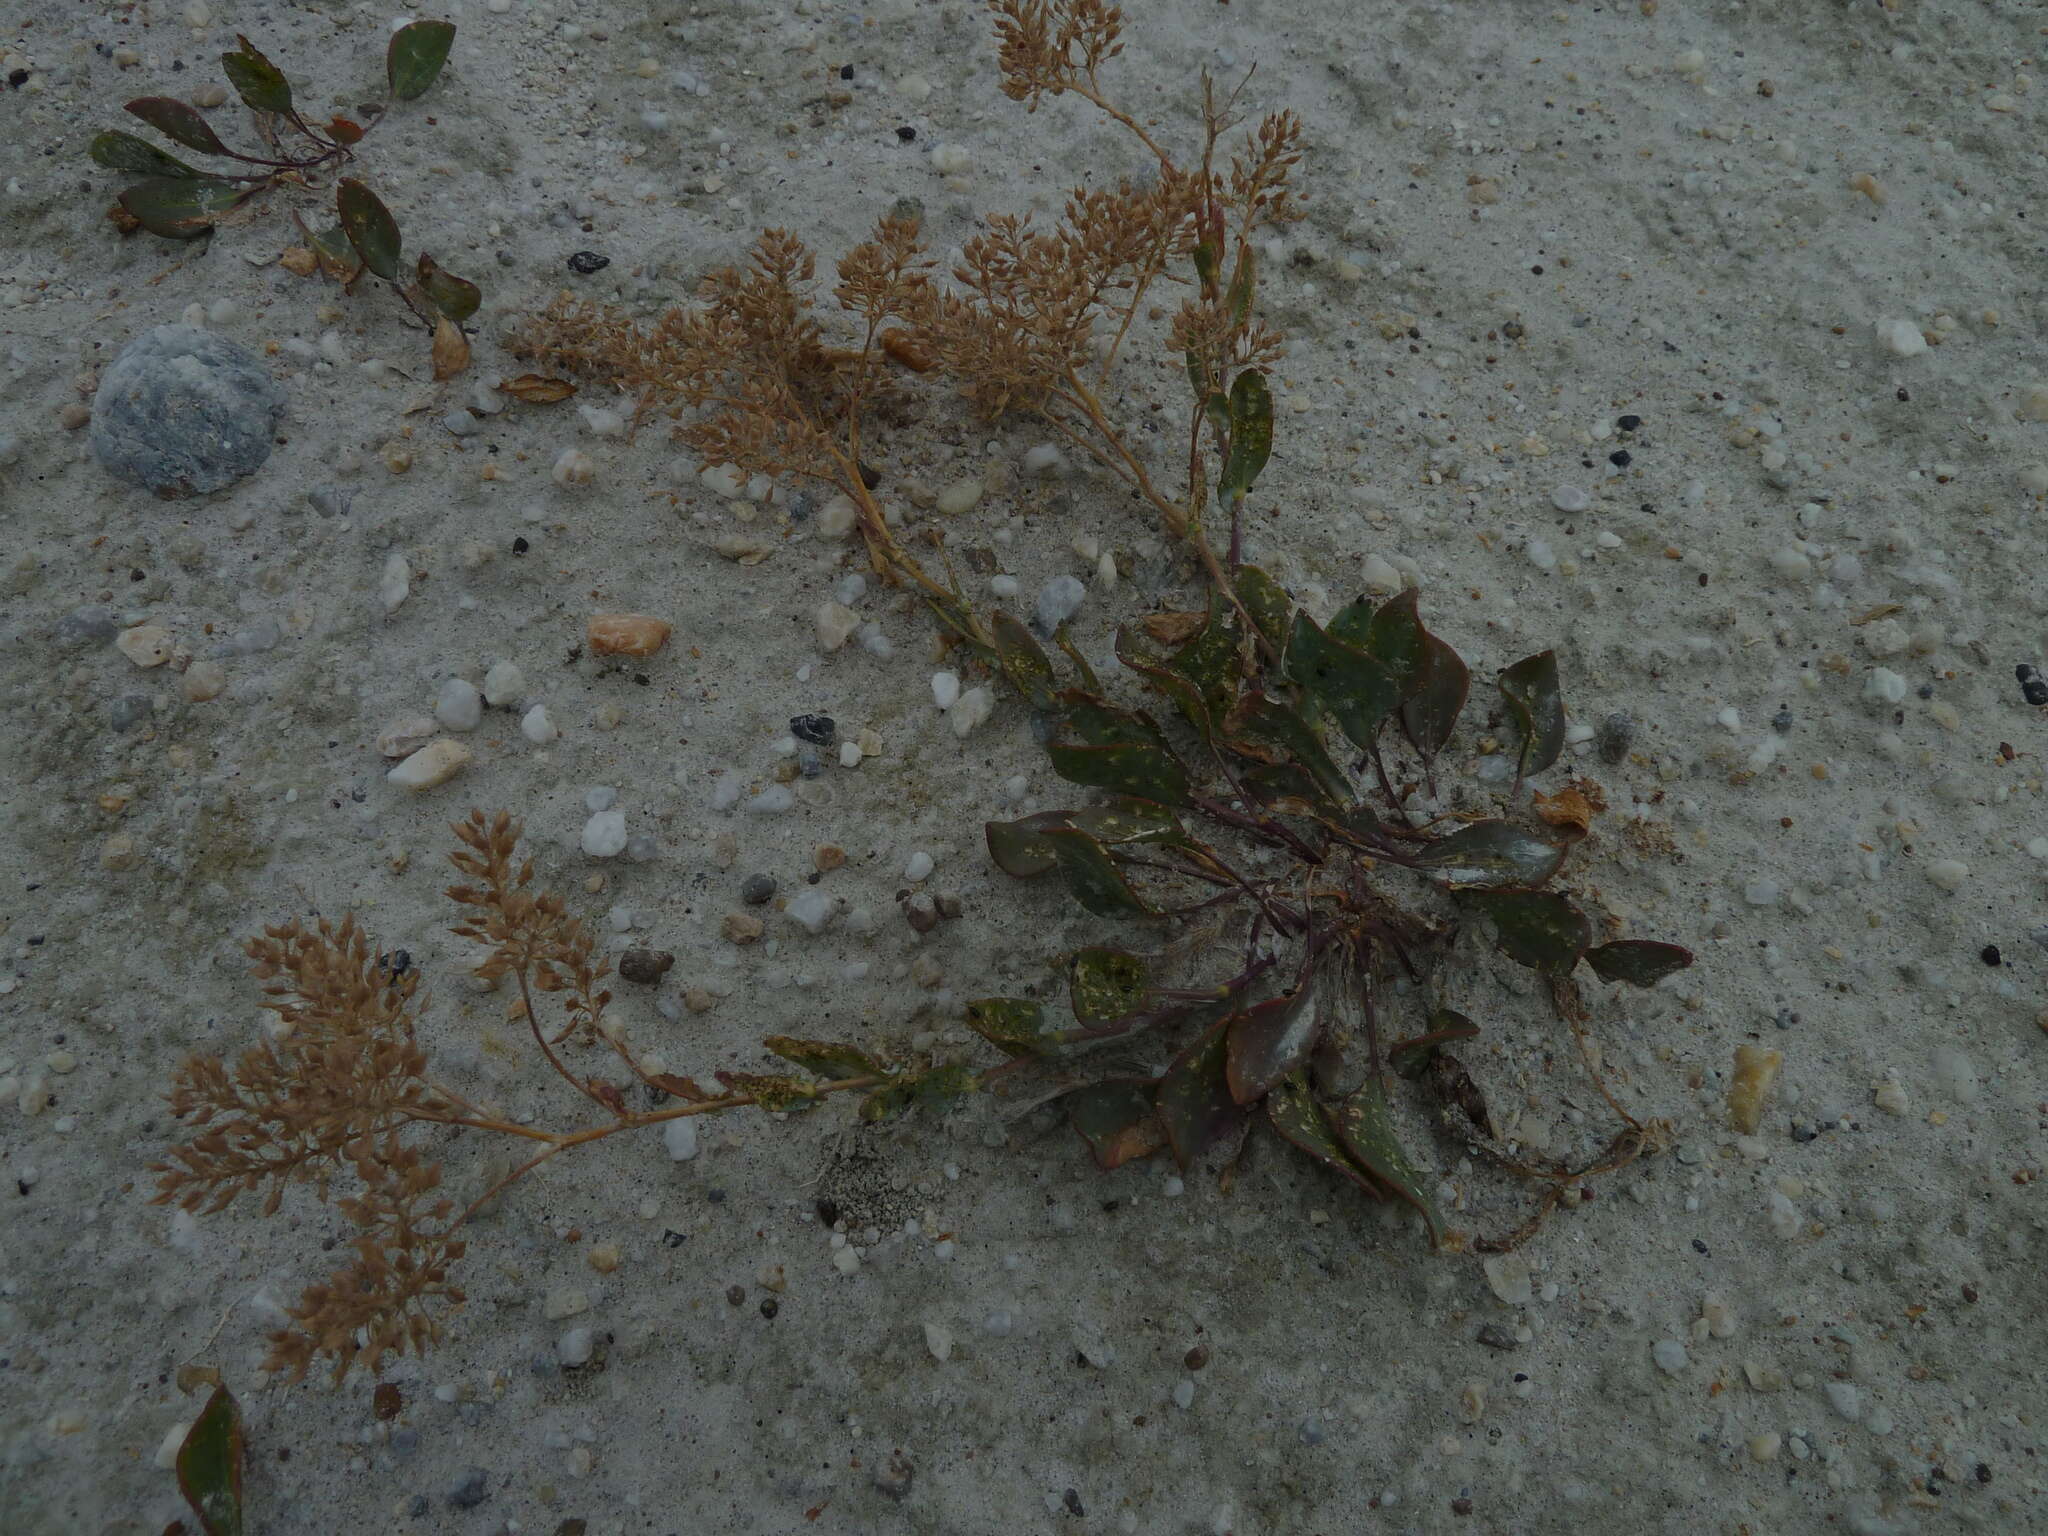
<point x="680" y="1137"/>
<point x="1042" y="459"/>
<point x="975" y="706"/>
<point x="1057" y="602"/>
<point x="1670" y="1356"/>
<point x="1901" y="338"/>
<point x="474" y="1486"/>
<point x="625" y="634"/>
<point x="147" y="645"/>
<point x="575" y="1347"/>
<point x="584" y="263"/>
<point x="402" y="738"/>
<point x="204" y="680"/>
<point x="645" y="967"/>
<point x="811" y="909"/>
<point x="574" y="467"/>
<point x="1617" y="734"/>
<point x="945" y="689"/>
<point x="757" y="890"/>
<point x="434" y="764"/>
<point x="846" y="1260"/>
<point x="918" y="867"/>
<point x="182" y="411"/>
<point x="604" y="835"/>
<point x="1845" y="1399"/>
<point x="600" y="797"/>
<point x="459" y="706"/>
<point x="1507" y="1275"/>
<point x="772" y="801"/>
<point x="536" y="726"/>
<point x="1949" y="874"/>
<point x="741" y="927"/>
<point x="834" y="623"/>
<point x="84" y="626"/>
<point x="938" y="1338"/>
<point x="1570" y="498"/>
<point x="959" y="497"/>
<point x="1765" y="1447"/>
<point x="504" y="684"/>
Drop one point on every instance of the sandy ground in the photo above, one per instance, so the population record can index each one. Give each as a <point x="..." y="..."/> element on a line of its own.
<point x="1809" y="586"/>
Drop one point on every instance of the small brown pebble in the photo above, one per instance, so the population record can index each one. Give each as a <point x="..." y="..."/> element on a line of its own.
<point x="645" y="966"/>
<point x="949" y="904"/>
<point x="74" y="416"/>
<point x="1493" y="1336"/>
<point x="1197" y="1357"/>
<point x="1767" y="87"/>
<point x="603" y="1257"/>
<point x="697" y="1000"/>
<point x="741" y="927"/>
<point x="1461" y="1506"/>
<point x="626" y="634"/>
<point x="770" y="1306"/>
<point x="736" y="1294"/>
<point x="388" y="1400"/>
<point x="1970" y="1294"/>
<point x="828" y="857"/>
<point x="921" y="912"/>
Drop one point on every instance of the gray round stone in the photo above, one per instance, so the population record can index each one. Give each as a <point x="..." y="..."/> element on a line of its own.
<point x="183" y="411"/>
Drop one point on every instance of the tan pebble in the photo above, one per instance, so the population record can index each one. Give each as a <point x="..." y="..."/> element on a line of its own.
<point x="626" y="634"/>
<point x="204" y="680"/>
<point x="828" y="856"/>
<point x="1764" y="1447"/>
<point x="1890" y="1096"/>
<point x="697" y="1000"/>
<point x="1472" y="1402"/>
<point x="435" y="763"/>
<point x="1870" y="187"/>
<point x="603" y="1257"/>
<point x="1755" y="1071"/>
<point x="574" y="467"/>
<point x="397" y="458"/>
<point x="402" y="738"/>
<point x="118" y="853"/>
<point x="147" y="645"/>
<point x="741" y="927"/>
<point x="74" y="416"/>
<point x="210" y="95"/>
<point x="1481" y="191"/>
<point x="725" y="849"/>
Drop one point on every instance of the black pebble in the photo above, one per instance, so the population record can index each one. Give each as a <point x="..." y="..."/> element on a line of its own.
<point x="828" y="1212"/>
<point x="846" y="71"/>
<point x="1698" y="1246"/>
<point x="395" y="964"/>
<point x="906" y="133"/>
<point x="816" y="729"/>
<point x="769" y="1307"/>
<point x="583" y="263"/>
<point x="1629" y="423"/>
<point x="2033" y="688"/>
<point x="1072" y="1499"/>
<point x="756" y="890"/>
<point x="1620" y="458"/>
<point x="1990" y="955"/>
<point x="520" y="546"/>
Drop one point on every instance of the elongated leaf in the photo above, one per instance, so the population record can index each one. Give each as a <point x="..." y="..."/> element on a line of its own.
<point x="1023" y="660"/>
<point x="331" y="251"/>
<point x="1491" y="854"/>
<point x="1290" y="790"/>
<point x="1536" y="704"/>
<point x="1266" y="601"/>
<point x="210" y="1465"/>
<point x="1357" y="692"/>
<point x="1195" y="1104"/>
<point x="1019" y="848"/>
<point x="182" y="207"/>
<point x="177" y="121"/>
<point x="1269" y="1040"/>
<point x="1201" y="677"/>
<point x="1540" y="929"/>
<point x="1117" y="1121"/>
<point x="1093" y="879"/>
<point x="774" y="1092"/>
<point x="1102" y="747"/>
<point x="930" y="1089"/>
<point x="1266" y="729"/>
<point x="1243" y="281"/>
<point x="1012" y="1025"/>
<point x="369" y="226"/>
<point x="1431" y="713"/>
<point x="1394" y="637"/>
<point x="1251" y="434"/>
<point x="1364" y="1126"/>
<point x="455" y="297"/>
<point x="1411" y="1058"/>
<point x="1106" y="984"/>
<point x="828" y="1059"/>
<point x="119" y="151"/>
<point x="1643" y="962"/>
<point x="1292" y="1111"/>
<point x="414" y="59"/>
<point x="260" y="83"/>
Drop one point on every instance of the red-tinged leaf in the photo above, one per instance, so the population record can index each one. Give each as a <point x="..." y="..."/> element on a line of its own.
<point x="1269" y="1040"/>
<point x="119" y="151"/>
<point x="1269" y="730"/>
<point x="1195" y="1104"/>
<point x="343" y="131"/>
<point x="1117" y="1120"/>
<point x="1431" y="713"/>
<point x="1093" y="878"/>
<point x="455" y="297"/>
<point x="210" y="1465"/>
<point x="414" y="59"/>
<point x="1411" y="1058"/>
<point x="681" y="1087"/>
<point x="1540" y="929"/>
<point x="1019" y="847"/>
<point x="1292" y="1110"/>
<point x="1641" y="962"/>
<point x="1201" y="676"/>
<point x="177" y="121"/>
<point x="608" y="1095"/>
<point x="369" y="226"/>
<point x="929" y="1089"/>
<point x="1536" y="704"/>
<point x="771" y="1091"/>
<point x="332" y="253"/>
<point x="1486" y="855"/>
<point x="182" y="207"/>
<point x="826" y="1058"/>
<point x="1100" y="746"/>
<point x="1106" y="985"/>
<point x="1354" y="690"/>
<point x="1366" y="1130"/>
<point x="260" y="83"/>
<point x="1013" y="1025"/>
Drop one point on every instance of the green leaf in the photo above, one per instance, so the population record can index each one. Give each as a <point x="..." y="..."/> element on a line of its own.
<point x="1352" y="625"/>
<point x="1410" y="1059"/>
<point x="1117" y="1121"/>
<point x="1206" y="257"/>
<point x="210" y="1465"/>
<point x="1093" y="879"/>
<point x="1243" y="281"/>
<point x="1269" y="1040"/>
<point x="1201" y="677"/>
<point x="1103" y="747"/>
<point x="1366" y="1129"/>
<point x="177" y="121"/>
<point x="1106" y="984"/>
<point x="1012" y="1025"/>
<point x="829" y="1060"/>
<point x="1291" y="790"/>
<point x="1394" y="637"/>
<point x="1356" y="691"/>
<point x="1266" y="601"/>
<point x="1265" y="729"/>
<point x="369" y="227"/>
<point x="1019" y="847"/>
<point x="414" y="59"/>
<point x="1431" y="713"/>
<point x="1536" y="704"/>
<point x="1195" y="1104"/>
<point x="1491" y="854"/>
<point x="1642" y="962"/>
<point x="182" y="207"/>
<point x="260" y="83"/>
<point x="1540" y="929"/>
<point x="1251" y="434"/>
<point x="924" y="1090"/>
<point x="1023" y="660"/>
<point x="119" y="151"/>
<point x="1293" y="1112"/>
<point x="455" y="297"/>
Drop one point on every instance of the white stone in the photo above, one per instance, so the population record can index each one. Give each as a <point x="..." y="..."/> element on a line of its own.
<point x="837" y="517"/>
<point x="975" y="706"/>
<point x="846" y="1260"/>
<point x="147" y="645"/>
<point x="604" y="835"/>
<point x="1949" y="874"/>
<point x="459" y="706"/>
<point x="727" y="481"/>
<point x="573" y="467"/>
<point x="537" y="727"/>
<point x="1845" y="1399"/>
<point x="1379" y="576"/>
<point x="575" y="1347"/>
<point x="835" y="624"/>
<point x="918" y="866"/>
<point x="1507" y="1275"/>
<point x="395" y="585"/>
<point x="938" y="1338"/>
<point x="2034" y="403"/>
<point x="1901" y="338"/>
<point x="951" y="159"/>
<point x="1570" y="498"/>
<point x="1042" y="459"/>
<point x="945" y="689"/>
<point x="1884" y="686"/>
<point x="1670" y="1356"/>
<point x="435" y="763"/>
<point x="849" y="754"/>
<point x="811" y="909"/>
<point x="959" y="497"/>
<point x="561" y="1304"/>
<point x="680" y="1137"/>
<point x="504" y="684"/>
<point x="404" y="737"/>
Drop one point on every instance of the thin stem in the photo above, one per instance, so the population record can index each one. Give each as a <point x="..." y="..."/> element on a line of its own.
<point x="540" y="1039"/>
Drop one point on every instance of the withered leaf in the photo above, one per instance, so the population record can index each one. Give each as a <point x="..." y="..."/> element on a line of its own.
<point x="450" y="350"/>
<point x="537" y="388"/>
